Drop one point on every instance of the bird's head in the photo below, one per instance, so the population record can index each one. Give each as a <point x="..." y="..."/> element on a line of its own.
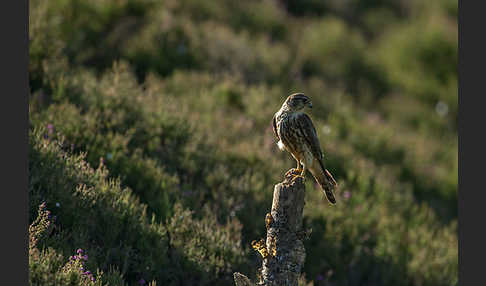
<point x="297" y="102"/>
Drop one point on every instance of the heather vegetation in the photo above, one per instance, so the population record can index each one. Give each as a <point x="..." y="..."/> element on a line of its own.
<point x="151" y="154"/>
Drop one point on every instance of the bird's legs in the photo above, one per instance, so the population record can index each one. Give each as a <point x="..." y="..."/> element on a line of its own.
<point x="294" y="171"/>
<point x="301" y="172"/>
<point x="306" y="161"/>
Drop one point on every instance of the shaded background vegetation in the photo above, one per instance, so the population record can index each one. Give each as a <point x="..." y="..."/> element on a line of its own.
<point x="151" y="144"/>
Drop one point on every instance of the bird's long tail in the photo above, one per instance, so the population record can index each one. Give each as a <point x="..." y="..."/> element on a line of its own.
<point x="324" y="179"/>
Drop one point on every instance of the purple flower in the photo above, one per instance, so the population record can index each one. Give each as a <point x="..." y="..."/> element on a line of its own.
<point x="347" y="195"/>
<point x="141" y="281"/>
<point x="87" y="273"/>
<point x="85" y="257"/>
<point x="79" y="251"/>
<point x="50" y="128"/>
<point x="319" y="277"/>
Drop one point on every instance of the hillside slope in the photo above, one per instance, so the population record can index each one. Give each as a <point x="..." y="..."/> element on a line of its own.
<point x="151" y="144"/>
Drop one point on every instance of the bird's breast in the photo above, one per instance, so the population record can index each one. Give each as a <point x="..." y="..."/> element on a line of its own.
<point x="288" y="132"/>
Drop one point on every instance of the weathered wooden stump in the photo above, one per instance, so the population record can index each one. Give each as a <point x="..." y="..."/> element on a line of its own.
<point x="283" y="250"/>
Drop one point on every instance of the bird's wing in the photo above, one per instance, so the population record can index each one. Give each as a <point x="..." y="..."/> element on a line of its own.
<point x="274" y="125"/>
<point x="310" y="135"/>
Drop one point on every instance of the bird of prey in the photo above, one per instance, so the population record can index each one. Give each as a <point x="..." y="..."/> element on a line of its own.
<point x="297" y="135"/>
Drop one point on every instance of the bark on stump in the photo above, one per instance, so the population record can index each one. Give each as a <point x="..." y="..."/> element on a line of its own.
<point x="285" y="253"/>
<point x="284" y="240"/>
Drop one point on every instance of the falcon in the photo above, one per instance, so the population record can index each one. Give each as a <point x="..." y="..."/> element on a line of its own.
<point x="296" y="134"/>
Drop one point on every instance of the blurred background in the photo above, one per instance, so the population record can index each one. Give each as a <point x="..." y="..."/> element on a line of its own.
<point x="151" y="145"/>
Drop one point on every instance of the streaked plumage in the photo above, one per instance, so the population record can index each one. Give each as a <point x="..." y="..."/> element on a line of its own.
<point x="297" y="135"/>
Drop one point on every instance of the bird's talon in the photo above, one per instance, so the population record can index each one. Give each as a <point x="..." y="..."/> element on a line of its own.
<point x="292" y="172"/>
<point x="295" y="176"/>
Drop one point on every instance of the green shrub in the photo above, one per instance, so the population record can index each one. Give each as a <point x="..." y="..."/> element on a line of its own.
<point x="421" y="59"/>
<point x="333" y="50"/>
<point x="46" y="266"/>
<point x="95" y="213"/>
